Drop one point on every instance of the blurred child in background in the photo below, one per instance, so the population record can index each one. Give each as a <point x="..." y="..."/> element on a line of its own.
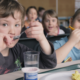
<point x="31" y="14"/>
<point x="41" y="11"/>
<point x="51" y="23"/>
<point x="68" y="48"/>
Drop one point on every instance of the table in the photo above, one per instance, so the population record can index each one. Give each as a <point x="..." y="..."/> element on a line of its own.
<point x="18" y="74"/>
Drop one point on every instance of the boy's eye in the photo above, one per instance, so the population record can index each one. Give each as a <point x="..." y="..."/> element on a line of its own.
<point x="53" y="20"/>
<point x="17" y="25"/>
<point x="47" y="20"/>
<point x="5" y="24"/>
<point x="79" y="20"/>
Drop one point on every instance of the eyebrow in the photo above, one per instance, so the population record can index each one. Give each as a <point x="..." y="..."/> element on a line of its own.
<point x="5" y="20"/>
<point x="17" y="21"/>
<point x="9" y="21"/>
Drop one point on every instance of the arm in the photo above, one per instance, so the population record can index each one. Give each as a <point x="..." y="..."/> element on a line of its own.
<point x="5" y="41"/>
<point x="63" y="51"/>
<point x="47" y="61"/>
<point x="45" y="46"/>
<point x="47" y="54"/>
<point x="36" y="31"/>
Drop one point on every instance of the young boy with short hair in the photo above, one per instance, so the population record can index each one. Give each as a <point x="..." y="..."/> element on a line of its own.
<point x="11" y="19"/>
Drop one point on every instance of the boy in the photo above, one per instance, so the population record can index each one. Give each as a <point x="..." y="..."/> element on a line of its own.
<point x="11" y="19"/>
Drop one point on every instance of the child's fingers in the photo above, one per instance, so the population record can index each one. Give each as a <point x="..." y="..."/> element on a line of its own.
<point x="33" y="36"/>
<point x="7" y="39"/>
<point x="34" y="33"/>
<point x="75" y="36"/>
<point x="33" y="29"/>
<point x="76" y="31"/>
<point x="35" y="23"/>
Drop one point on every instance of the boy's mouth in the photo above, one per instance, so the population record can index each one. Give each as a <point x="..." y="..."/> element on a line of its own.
<point x="12" y="38"/>
<point x="50" y="27"/>
<point x="32" y="18"/>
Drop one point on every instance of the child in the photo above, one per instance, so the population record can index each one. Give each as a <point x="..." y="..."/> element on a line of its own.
<point x="51" y="23"/>
<point x="31" y="13"/>
<point x="41" y="11"/>
<point x="11" y="19"/>
<point x="69" y="48"/>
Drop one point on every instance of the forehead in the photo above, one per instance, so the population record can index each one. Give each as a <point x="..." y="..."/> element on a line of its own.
<point x="78" y="16"/>
<point x="43" y="11"/>
<point x="49" y="17"/>
<point x="16" y="16"/>
<point x="32" y="10"/>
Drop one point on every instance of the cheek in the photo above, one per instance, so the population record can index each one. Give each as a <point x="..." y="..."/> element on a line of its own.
<point x="29" y="15"/>
<point x="18" y="31"/>
<point x="76" y="25"/>
<point x="46" y="24"/>
<point x="35" y="16"/>
<point x="55" y="23"/>
<point x="4" y="30"/>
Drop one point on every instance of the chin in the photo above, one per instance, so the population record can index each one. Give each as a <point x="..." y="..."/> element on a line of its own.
<point x="12" y="44"/>
<point x="50" y="30"/>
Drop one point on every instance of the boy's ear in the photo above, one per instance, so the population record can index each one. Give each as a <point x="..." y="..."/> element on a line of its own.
<point x="70" y="21"/>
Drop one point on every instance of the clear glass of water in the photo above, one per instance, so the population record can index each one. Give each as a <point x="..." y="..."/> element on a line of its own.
<point x="31" y="59"/>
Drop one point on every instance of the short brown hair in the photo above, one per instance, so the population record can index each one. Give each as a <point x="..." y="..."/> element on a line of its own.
<point x="31" y="7"/>
<point x="52" y="13"/>
<point x="8" y="7"/>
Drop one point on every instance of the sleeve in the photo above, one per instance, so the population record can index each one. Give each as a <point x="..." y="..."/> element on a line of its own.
<point x="62" y="32"/>
<point x="59" y="43"/>
<point x="19" y="50"/>
<point x="47" y="61"/>
<point x="2" y="60"/>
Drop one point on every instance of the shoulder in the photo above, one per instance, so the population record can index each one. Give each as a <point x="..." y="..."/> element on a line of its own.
<point x="19" y="48"/>
<point x="19" y="45"/>
<point x="58" y="43"/>
<point x="61" y="31"/>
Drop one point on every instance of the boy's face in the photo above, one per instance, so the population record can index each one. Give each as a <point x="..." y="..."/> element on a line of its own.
<point x="50" y="23"/>
<point x="32" y="14"/>
<point x="76" y="23"/>
<point x="11" y="26"/>
<point x="41" y="13"/>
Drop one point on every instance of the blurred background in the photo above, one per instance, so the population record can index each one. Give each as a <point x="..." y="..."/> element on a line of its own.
<point x="64" y="8"/>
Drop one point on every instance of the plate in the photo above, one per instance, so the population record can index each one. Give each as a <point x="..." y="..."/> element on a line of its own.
<point x="59" y="76"/>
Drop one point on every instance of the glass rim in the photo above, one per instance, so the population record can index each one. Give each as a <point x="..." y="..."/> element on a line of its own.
<point x="31" y="52"/>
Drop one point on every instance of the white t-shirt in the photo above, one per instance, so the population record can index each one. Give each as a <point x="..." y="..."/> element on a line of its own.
<point x="61" y="31"/>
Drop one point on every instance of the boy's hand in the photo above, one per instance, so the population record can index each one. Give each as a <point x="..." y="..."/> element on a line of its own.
<point x="75" y="36"/>
<point x="35" y="31"/>
<point x="5" y="41"/>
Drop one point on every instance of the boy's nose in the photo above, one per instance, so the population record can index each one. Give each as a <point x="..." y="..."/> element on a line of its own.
<point x="50" y="22"/>
<point x="12" y="30"/>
